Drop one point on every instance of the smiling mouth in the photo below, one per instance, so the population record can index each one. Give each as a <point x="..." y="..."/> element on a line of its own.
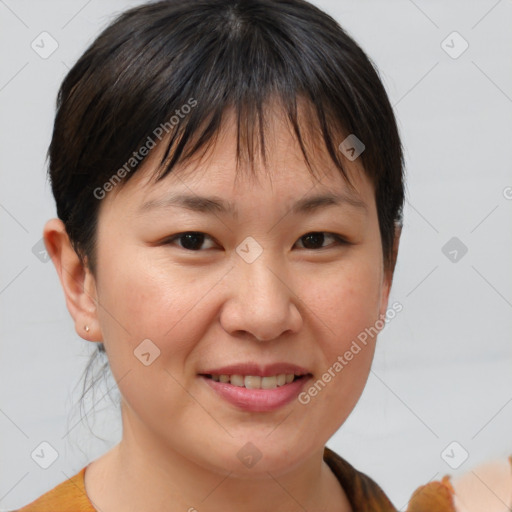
<point x="255" y="381"/>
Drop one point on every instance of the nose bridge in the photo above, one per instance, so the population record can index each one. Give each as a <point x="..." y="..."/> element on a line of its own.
<point x="262" y="303"/>
<point x="261" y="282"/>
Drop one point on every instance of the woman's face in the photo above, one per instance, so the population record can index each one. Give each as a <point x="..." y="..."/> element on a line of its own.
<point x="251" y="290"/>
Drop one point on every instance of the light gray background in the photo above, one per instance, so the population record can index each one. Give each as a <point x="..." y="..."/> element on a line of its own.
<point x="442" y="370"/>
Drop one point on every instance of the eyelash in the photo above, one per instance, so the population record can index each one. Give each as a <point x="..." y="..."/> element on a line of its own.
<point x="338" y="239"/>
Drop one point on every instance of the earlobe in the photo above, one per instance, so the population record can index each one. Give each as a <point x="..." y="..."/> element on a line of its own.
<point x="76" y="280"/>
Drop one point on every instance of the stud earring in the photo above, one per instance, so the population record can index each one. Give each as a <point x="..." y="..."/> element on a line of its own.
<point x="86" y="328"/>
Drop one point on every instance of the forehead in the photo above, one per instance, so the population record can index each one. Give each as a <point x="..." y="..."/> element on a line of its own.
<point x="283" y="177"/>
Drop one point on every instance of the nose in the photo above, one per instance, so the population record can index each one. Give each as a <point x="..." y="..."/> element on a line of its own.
<point x="262" y="304"/>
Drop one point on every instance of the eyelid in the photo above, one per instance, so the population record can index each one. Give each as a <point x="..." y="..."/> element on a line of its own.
<point x="168" y="240"/>
<point x="339" y="240"/>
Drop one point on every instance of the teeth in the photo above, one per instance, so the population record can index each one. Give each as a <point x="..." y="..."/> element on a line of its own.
<point x="237" y="380"/>
<point x="256" y="382"/>
<point x="252" y="382"/>
<point x="268" y="382"/>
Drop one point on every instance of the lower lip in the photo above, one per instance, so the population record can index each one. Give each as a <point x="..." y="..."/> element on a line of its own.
<point x="257" y="400"/>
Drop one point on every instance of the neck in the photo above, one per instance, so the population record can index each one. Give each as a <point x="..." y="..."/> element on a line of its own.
<point x="139" y="474"/>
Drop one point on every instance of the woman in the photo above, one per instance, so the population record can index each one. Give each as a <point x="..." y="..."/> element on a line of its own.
<point x="229" y="186"/>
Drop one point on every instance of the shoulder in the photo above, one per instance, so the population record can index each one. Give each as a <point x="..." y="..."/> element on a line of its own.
<point x="68" y="496"/>
<point x="362" y="491"/>
<point x="485" y="487"/>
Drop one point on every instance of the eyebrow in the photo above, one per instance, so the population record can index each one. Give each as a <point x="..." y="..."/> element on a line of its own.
<point x="216" y="205"/>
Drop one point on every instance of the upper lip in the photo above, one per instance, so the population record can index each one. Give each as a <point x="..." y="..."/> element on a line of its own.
<point x="257" y="370"/>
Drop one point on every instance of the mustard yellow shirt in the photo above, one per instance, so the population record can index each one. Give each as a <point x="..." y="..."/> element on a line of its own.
<point x="363" y="494"/>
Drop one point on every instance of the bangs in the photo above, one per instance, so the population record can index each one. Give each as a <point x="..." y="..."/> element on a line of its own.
<point x="247" y="56"/>
<point x="195" y="137"/>
<point x="238" y="64"/>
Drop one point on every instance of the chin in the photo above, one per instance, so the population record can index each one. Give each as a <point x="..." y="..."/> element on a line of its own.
<point x="248" y="459"/>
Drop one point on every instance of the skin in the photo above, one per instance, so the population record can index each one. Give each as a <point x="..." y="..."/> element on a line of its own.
<point x="209" y="308"/>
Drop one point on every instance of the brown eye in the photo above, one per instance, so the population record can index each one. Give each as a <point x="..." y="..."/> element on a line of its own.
<point x="315" y="240"/>
<point x="190" y="240"/>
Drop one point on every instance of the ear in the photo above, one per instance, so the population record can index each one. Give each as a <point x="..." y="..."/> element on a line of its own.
<point x="76" y="279"/>
<point x="389" y="272"/>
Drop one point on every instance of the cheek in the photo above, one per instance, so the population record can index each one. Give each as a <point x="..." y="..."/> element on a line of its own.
<point x="140" y="301"/>
<point x="143" y="300"/>
<point x="346" y="301"/>
<point x="346" y="308"/>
